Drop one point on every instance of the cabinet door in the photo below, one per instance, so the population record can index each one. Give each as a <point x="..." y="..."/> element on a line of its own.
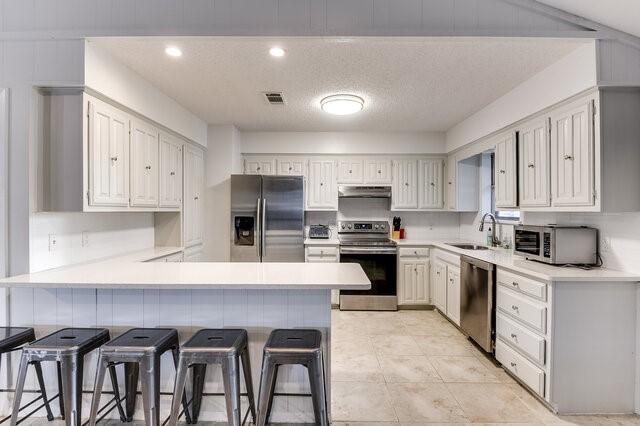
<point x="451" y="193"/>
<point x="439" y="280"/>
<point x="144" y="165"/>
<point x="259" y="166"/>
<point x="193" y="190"/>
<point x="377" y="171"/>
<point x="572" y="166"/>
<point x="291" y="166"/>
<point x="453" y="294"/>
<point x="322" y="189"/>
<point x="404" y="193"/>
<point x="534" y="164"/>
<point x="170" y="171"/>
<point x="505" y="173"/>
<point x="431" y="184"/>
<point x="350" y="171"/>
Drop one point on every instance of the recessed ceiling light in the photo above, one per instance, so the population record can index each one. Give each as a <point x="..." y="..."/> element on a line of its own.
<point x="277" y="52"/>
<point x="342" y="104"/>
<point x="173" y="51"/>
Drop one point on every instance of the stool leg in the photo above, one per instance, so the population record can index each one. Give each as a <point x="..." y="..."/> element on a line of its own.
<point x="318" y="391"/>
<point x="176" y="354"/>
<point x="97" y="389"/>
<point x="22" y="375"/>
<point x="178" y="390"/>
<point x="116" y="392"/>
<point x="267" y="386"/>
<point x="248" y="381"/>
<point x="43" y="390"/>
<point x="231" y="381"/>
<point x="60" y="390"/>
<point x="199" y="374"/>
<point x="150" y="381"/>
<point x="72" y="369"/>
<point x="131" y="370"/>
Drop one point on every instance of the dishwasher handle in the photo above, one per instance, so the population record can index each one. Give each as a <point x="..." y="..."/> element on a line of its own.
<point x="478" y="263"/>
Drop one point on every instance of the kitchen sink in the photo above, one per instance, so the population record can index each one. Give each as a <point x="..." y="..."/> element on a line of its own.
<point x="468" y="246"/>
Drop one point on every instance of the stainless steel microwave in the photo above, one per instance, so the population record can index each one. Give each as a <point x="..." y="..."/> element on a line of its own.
<point x="557" y="244"/>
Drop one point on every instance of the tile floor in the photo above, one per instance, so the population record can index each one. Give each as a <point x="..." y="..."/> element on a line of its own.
<point x="416" y="368"/>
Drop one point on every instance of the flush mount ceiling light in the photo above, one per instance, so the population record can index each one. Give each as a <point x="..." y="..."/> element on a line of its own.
<point x="173" y="51"/>
<point x="277" y="52"/>
<point x="342" y="104"/>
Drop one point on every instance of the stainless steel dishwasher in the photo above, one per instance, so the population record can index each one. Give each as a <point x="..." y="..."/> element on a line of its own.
<point x="477" y="293"/>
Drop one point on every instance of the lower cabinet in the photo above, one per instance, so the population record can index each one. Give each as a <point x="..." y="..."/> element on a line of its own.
<point x="439" y="280"/>
<point x="445" y="275"/>
<point x="324" y="254"/>
<point x="453" y="293"/>
<point x="413" y="276"/>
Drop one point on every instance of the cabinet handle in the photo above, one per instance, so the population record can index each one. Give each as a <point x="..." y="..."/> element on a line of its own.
<point x="290" y="168"/>
<point x="379" y="171"/>
<point x="568" y="157"/>
<point x="172" y="173"/>
<point x="531" y="165"/>
<point x="514" y="336"/>
<point x="321" y="183"/>
<point x="258" y="168"/>
<point x="415" y="270"/>
<point x="406" y="184"/>
<point x="515" y="284"/>
<point x="196" y="198"/>
<point x="321" y="252"/>
<point x="432" y="184"/>
<point x="114" y="158"/>
<point x="415" y="252"/>
<point x="350" y="171"/>
<point x="449" y="183"/>
<point x="513" y="364"/>
<point x="502" y="171"/>
<point x="148" y="167"/>
<point x="514" y="307"/>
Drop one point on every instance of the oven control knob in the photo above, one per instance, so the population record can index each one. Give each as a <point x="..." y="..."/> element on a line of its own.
<point x="377" y="226"/>
<point x="343" y="226"/>
<point x="382" y="226"/>
<point x="349" y="226"/>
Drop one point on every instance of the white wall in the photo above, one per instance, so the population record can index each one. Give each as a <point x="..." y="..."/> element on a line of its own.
<point x="561" y="80"/>
<point x="118" y="82"/>
<point x="343" y="142"/>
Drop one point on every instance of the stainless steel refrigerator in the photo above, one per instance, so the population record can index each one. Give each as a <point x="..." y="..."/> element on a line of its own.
<point x="267" y="218"/>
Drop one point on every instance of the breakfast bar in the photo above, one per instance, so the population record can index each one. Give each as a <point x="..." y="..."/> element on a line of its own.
<point x="130" y="291"/>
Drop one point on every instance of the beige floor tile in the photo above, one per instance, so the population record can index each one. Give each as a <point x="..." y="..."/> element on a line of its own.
<point x="407" y="368"/>
<point x="436" y="326"/>
<point x="395" y="345"/>
<point x="417" y="317"/>
<point x="495" y="369"/>
<point x="611" y="420"/>
<point x="356" y="368"/>
<point x="366" y="402"/>
<point x="351" y="344"/>
<point x="424" y="402"/>
<point x="377" y="326"/>
<point x="538" y="408"/>
<point x="364" y="423"/>
<point x="445" y="345"/>
<point x="459" y="369"/>
<point x="491" y="402"/>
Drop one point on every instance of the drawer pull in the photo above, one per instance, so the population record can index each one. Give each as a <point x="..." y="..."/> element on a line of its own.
<point x="515" y="284"/>
<point x="415" y="252"/>
<point x="514" y="307"/>
<point x="514" y="336"/>
<point x="513" y="364"/>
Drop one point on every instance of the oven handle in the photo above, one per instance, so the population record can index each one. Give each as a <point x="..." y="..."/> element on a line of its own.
<point x="367" y="250"/>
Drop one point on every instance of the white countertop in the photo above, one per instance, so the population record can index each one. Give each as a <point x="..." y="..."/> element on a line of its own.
<point x="506" y="259"/>
<point x="132" y="272"/>
<point x="321" y="242"/>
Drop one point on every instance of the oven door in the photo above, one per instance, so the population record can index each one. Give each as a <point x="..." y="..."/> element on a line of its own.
<point x="380" y="266"/>
<point x="528" y="242"/>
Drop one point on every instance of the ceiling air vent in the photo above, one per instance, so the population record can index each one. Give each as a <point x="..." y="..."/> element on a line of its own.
<point x="274" y="98"/>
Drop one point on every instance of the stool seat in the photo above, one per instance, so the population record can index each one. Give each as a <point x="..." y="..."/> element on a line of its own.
<point x="217" y="340"/>
<point x="12" y="337"/>
<point x="294" y="340"/>
<point x="147" y="339"/>
<point x="70" y="340"/>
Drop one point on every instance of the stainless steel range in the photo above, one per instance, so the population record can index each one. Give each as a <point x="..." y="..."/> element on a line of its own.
<point x="368" y="244"/>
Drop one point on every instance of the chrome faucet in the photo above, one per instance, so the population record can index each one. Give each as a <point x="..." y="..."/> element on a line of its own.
<point x="495" y="242"/>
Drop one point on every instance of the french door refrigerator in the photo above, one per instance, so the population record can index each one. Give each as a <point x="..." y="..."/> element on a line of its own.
<point x="267" y="218"/>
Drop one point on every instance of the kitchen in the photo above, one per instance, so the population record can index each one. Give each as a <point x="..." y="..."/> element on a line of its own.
<point x="437" y="148"/>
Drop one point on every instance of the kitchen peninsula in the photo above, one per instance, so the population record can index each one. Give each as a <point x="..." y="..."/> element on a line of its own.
<point x="134" y="291"/>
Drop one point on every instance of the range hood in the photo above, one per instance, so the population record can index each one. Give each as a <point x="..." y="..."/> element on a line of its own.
<point x="348" y="191"/>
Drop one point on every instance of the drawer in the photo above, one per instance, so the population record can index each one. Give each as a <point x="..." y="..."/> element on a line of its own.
<point x="413" y="252"/>
<point x="526" y="310"/>
<point x="524" y="285"/>
<point x="322" y="251"/>
<point x="527" y="342"/>
<point x="520" y="367"/>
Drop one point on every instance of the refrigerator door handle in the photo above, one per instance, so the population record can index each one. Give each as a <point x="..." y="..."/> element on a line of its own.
<point x="258" y="230"/>
<point x="264" y="231"/>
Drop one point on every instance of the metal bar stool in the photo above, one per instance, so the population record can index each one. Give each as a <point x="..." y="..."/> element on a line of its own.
<point x="215" y="346"/>
<point x="12" y="339"/>
<point x="67" y="347"/>
<point x="139" y="349"/>
<point x="293" y="346"/>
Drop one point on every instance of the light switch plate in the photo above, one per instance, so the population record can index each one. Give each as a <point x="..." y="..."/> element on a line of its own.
<point x="85" y="238"/>
<point x="53" y="242"/>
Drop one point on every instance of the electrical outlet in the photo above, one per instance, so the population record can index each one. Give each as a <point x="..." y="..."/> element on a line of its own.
<point x="605" y="244"/>
<point x="85" y="238"/>
<point x="53" y="242"/>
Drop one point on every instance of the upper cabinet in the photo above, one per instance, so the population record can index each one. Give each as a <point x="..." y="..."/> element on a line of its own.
<point x="259" y="166"/>
<point x="322" y="187"/>
<point x="291" y="166"/>
<point x="351" y="171"/>
<point x="144" y="164"/>
<point x="108" y="167"/>
<point x="462" y="183"/>
<point x="431" y="193"/>
<point x="505" y="171"/>
<point x="404" y="192"/>
<point x="170" y="171"/>
<point x="377" y="171"/>
<point x="534" y="163"/>
<point x="193" y="212"/>
<point x="572" y="168"/>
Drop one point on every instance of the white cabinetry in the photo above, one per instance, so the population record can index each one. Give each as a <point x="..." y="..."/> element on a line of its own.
<point x="505" y="171"/>
<point x="291" y="166"/>
<point x="259" y="166"/>
<point x="322" y="188"/>
<point x="377" y="171"/>
<point x="108" y="155"/>
<point x="534" y="163"/>
<point x="439" y="285"/>
<point x="350" y="171"/>
<point x="445" y="276"/>
<point x="193" y="215"/>
<point x="144" y="164"/>
<point x="462" y="183"/>
<point x="453" y="293"/>
<point x="170" y="171"/>
<point x="431" y="190"/>
<point x="323" y="253"/>
<point x="413" y="276"/>
<point x="404" y="192"/>
<point x="572" y="147"/>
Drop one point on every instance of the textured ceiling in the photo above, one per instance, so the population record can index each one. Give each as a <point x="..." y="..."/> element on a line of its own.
<point x="407" y="84"/>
